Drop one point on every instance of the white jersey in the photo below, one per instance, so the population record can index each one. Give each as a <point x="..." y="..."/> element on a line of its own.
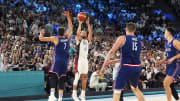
<point x="83" y="49"/>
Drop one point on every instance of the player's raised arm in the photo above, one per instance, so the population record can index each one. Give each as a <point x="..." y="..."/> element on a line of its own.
<point x="119" y="43"/>
<point x="89" y="30"/>
<point x="79" y="31"/>
<point x="47" y="39"/>
<point x="70" y="26"/>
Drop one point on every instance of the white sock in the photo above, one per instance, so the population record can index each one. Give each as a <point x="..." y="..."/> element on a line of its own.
<point x="83" y="92"/>
<point x="52" y="92"/>
<point x="60" y="96"/>
<point x="75" y="92"/>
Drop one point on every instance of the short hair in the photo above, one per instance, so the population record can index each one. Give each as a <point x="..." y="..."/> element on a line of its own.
<point x="170" y="30"/>
<point x="131" y="27"/>
<point x="61" y="31"/>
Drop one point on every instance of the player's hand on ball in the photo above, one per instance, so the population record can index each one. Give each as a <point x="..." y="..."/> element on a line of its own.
<point x="80" y="22"/>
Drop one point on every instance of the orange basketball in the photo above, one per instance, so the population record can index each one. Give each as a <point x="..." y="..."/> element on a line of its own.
<point x="81" y="16"/>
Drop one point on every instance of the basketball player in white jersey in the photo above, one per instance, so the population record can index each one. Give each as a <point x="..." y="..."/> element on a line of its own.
<point x="82" y="43"/>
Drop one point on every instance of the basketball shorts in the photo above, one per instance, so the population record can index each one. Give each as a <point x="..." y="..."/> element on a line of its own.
<point x="127" y="74"/>
<point x="173" y="70"/>
<point x="82" y="66"/>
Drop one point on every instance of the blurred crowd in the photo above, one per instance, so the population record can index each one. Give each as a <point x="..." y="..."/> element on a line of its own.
<point x="21" y="21"/>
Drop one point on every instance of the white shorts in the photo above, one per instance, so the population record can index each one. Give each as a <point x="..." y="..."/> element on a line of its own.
<point x="83" y="66"/>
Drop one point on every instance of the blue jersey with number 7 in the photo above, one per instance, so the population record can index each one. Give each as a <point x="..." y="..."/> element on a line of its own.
<point x="131" y="50"/>
<point x="61" y="57"/>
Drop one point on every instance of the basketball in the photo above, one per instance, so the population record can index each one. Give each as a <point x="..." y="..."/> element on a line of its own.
<point x="81" y="16"/>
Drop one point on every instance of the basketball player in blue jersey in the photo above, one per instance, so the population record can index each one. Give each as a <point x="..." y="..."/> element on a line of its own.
<point x="57" y="72"/>
<point x="82" y="42"/>
<point x="172" y="67"/>
<point x="129" y="70"/>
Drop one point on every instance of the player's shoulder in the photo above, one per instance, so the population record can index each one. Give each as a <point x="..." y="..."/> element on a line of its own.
<point x="175" y="42"/>
<point x="122" y="37"/>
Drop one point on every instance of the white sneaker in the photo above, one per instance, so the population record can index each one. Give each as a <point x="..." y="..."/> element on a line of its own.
<point x="82" y="98"/>
<point x="60" y="99"/>
<point x="74" y="96"/>
<point x="52" y="98"/>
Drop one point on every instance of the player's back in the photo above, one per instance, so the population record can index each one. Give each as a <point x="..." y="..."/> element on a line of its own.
<point x="131" y="50"/>
<point x="62" y="48"/>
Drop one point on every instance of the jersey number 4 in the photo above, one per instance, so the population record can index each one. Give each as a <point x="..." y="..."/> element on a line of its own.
<point x="134" y="46"/>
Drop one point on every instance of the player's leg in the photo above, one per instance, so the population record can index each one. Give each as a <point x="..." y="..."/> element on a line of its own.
<point x="121" y="96"/>
<point x="122" y="93"/>
<point x="120" y="82"/>
<point x="84" y="83"/>
<point x="138" y="93"/>
<point x="83" y="70"/>
<point x="134" y="80"/>
<point x="53" y="84"/>
<point x="116" y="95"/>
<point x="61" y="82"/>
<point x="174" y="92"/>
<point x="76" y="79"/>
<point x="167" y="82"/>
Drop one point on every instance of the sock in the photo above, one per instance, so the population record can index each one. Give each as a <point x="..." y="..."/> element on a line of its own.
<point x="83" y="92"/>
<point x="52" y="92"/>
<point x="60" y="96"/>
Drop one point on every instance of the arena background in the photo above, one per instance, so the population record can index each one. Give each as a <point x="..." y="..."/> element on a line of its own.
<point x="24" y="60"/>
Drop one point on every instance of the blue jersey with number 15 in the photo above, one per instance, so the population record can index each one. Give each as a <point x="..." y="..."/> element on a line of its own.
<point x="131" y="50"/>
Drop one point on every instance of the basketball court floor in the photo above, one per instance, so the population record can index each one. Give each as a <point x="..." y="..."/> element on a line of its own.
<point x="157" y="97"/>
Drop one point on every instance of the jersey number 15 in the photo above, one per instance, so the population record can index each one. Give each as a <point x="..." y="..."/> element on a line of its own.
<point x="134" y="46"/>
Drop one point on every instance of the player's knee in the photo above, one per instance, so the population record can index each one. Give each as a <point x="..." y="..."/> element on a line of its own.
<point x="61" y="82"/>
<point x="84" y="76"/>
<point x="76" y="79"/>
<point x="166" y="84"/>
<point x="117" y="91"/>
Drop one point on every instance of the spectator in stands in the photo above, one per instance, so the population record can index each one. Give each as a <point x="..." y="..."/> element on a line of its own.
<point x="4" y="65"/>
<point x="94" y="82"/>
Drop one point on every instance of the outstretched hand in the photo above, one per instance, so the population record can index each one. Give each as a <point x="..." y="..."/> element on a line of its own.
<point x="87" y="21"/>
<point x="66" y="13"/>
<point x="80" y="22"/>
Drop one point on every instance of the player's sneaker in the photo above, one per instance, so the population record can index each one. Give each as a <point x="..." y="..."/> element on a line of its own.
<point x="75" y="98"/>
<point x="52" y="98"/>
<point x="82" y="98"/>
<point x="60" y="99"/>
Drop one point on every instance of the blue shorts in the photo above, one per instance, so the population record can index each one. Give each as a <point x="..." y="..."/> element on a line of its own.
<point x="173" y="70"/>
<point x="127" y="74"/>
<point x="59" y="67"/>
